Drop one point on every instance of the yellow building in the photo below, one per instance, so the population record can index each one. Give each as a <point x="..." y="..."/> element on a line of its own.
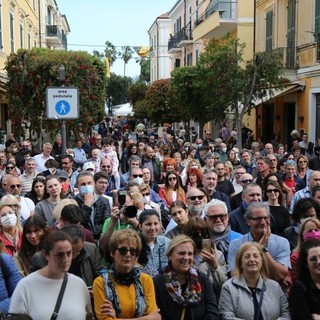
<point x="19" y="28"/>
<point x="293" y="27"/>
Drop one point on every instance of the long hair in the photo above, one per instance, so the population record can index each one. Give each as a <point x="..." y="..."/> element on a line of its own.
<point x="278" y="187"/>
<point x="170" y="161"/>
<point x="301" y="232"/>
<point x="197" y="173"/>
<point x="177" y="187"/>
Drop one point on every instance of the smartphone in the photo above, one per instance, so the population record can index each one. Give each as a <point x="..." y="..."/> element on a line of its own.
<point x="206" y="245"/>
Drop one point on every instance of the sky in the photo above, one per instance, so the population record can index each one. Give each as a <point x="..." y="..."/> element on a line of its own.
<point x="122" y="22"/>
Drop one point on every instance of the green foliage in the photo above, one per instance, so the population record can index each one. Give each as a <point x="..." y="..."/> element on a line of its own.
<point x="30" y="72"/>
<point x="145" y="70"/>
<point x="137" y="92"/>
<point x="161" y="102"/>
<point x="110" y="52"/>
<point x="141" y="109"/>
<point x="127" y="53"/>
<point x="117" y="88"/>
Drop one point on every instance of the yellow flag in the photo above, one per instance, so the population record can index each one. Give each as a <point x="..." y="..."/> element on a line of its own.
<point x="144" y="52"/>
<point x="107" y="67"/>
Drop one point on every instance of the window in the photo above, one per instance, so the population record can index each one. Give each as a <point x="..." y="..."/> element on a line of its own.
<point x="269" y="30"/>
<point x="11" y="32"/>
<point x="291" y="33"/>
<point x="317" y="18"/>
<point x="189" y="59"/>
<point x="21" y="35"/>
<point x="197" y="55"/>
<point x="29" y="40"/>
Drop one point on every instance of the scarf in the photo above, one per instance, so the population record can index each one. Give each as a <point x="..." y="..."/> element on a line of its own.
<point x="191" y="295"/>
<point x="125" y="279"/>
<point x="221" y="240"/>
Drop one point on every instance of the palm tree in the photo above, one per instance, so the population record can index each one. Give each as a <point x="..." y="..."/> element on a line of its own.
<point x="127" y="53"/>
<point x="110" y="52"/>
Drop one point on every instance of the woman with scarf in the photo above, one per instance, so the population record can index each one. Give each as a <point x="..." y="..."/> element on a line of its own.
<point x="123" y="292"/>
<point x="182" y="292"/>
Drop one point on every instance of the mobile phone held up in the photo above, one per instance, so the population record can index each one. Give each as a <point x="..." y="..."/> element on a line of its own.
<point x="206" y="245"/>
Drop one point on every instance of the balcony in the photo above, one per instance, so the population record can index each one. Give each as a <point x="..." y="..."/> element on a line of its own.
<point x="218" y="20"/>
<point x="55" y="37"/>
<point x="182" y="39"/>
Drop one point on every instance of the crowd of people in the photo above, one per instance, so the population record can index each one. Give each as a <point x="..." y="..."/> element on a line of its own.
<point x="140" y="223"/>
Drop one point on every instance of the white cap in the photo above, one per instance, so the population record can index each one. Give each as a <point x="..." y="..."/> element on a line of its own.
<point x="89" y="165"/>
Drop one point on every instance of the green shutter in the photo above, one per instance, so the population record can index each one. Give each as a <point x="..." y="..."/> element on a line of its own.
<point x="269" y="30"/>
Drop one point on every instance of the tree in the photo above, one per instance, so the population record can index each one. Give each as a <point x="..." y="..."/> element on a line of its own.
<point x="117" y="88"/>
<point x="30" y="72"/>
<point x="110" y="52"/>
<point x="127" y="53"/>
<point x="231" y="84"/>
<point x="161" y="102"/>
<point x="145" y="70"/>
<point x="137" y="92"/>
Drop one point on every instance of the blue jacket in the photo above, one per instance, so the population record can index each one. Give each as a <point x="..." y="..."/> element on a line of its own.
<point x="13" y="277"/>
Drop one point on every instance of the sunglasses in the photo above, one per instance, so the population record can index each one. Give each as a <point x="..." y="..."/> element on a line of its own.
<point x="13" y="186"/>
<point x="172" y="179"/>
<point x="272" y="190"/>
<point x="196" y="197"/>
<point x="146" y="194"/>
<point x="137" y="175"/>
<point x="123" y="251"/>
<point x="214" y="218"/>
<point x="246" y="181"/>
<point x="104" y="167"/>
<point x="9" y="168"/>
<point x="65" y="162"/>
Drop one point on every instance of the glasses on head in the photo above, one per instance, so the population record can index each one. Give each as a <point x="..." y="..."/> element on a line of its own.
<point x="9" y="168"/>
<point x="13" y="186"/>
<point x="172" y="179"/>
<point x="259" y="219"/>
<point x="123" y="251"/>
<point x="192" y="198"/>
<point x="222" y="217"/>
<point x="246" y="180"/>
<point x="137" y="175"/>
<point x="272" y="190"/>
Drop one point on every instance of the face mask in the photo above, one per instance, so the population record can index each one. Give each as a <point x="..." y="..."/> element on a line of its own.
<point x="138" y="180"/>
<point x="64" y="187"/>
<point x="14" y="150"/>
<point x="146" y="199"/>
<point x="86" y="189"/>
<point x="311" y="235"/>
<point x="224" y="149"/>
<point x="9" y="220"/>
<point x="199" y="145"/>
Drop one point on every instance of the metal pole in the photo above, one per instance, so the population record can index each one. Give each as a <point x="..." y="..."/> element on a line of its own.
<point x="62" y="78"/>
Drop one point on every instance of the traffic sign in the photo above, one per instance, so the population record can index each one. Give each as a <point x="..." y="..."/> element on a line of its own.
<point x="62" y="103"/>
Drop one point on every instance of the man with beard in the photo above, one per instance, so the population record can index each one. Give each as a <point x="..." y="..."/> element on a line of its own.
<point x="217" y="218"/>
<point x="246" y="161"/>
<point x="209" y="182"/>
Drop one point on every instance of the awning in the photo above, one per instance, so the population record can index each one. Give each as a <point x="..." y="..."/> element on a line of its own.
<point x="277" y="93"/>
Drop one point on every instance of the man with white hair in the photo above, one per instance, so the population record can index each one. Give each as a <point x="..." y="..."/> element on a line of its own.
<point x="217" y="218"/>
<point x="42" y="158"/>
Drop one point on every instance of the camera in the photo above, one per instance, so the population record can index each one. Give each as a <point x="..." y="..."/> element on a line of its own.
<point x="127" y="211"/>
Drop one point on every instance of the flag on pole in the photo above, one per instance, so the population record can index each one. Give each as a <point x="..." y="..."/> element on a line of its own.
<point x="107" y="67"/>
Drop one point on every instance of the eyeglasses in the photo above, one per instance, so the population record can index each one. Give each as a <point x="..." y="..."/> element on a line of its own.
<point x="172" y="179"/>
<point x="196" y="197"/>
<point x="123" y="251"/>
<point x="104" y="167"/>
<point x="146" y="194"/>
<point x="9" y="168"/>
<point x="13" y="186"/>
<point x="25" y="145"/>
<point x="246" y="181"/>
<point x="137" y="175"/>
<point x="272" y="190"/>
<point x="214" y="218"/>
<point x="259" y="219"/>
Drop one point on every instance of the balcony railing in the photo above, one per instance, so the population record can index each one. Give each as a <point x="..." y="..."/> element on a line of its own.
<point x="185" y="34"/>
<point x="288" y="56"/>
<point x="226" y="10"/>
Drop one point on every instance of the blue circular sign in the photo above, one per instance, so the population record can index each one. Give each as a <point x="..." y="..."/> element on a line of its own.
<point x="62" y="107"/>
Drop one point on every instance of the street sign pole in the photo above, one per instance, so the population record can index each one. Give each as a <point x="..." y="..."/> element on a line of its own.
<point x="62" y="78"/>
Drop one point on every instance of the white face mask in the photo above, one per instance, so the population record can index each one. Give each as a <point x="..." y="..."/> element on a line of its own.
<point x="138" y="180"/>
<point x="9" y="220"/>
<point x="146" y="199"/>
<point x="52" y="170"/>
<point x="224" y="149"/>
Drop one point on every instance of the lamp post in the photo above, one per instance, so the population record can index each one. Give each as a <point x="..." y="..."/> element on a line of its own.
<point x="62" y="78"/>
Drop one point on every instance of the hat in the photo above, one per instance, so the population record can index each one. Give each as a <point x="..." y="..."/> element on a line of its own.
<point x="62" y="174"/>
<point x="89" y="165"/>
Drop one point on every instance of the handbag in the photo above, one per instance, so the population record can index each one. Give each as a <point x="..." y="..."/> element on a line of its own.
<point x="60" y="297"/>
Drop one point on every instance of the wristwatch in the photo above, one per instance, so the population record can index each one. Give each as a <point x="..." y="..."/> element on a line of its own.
<point x="265" y="249"/>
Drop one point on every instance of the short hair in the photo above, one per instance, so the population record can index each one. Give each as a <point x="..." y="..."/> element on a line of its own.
<point x="303" y="271"/>
<point x="67" y="156"/>
<point x="29" y="160"/>
<point x="54" y="237"/>
<point x="71" y="213"/>
<point x="197" y="225"/>
<point x="303" y="205"/>
<point x="177" y="240"/>
<point x="47" y="144"/>
<point x="144" y="187"/>
<point x="123" y="235"/>
<point x="60" y="206"/>
<point x="178" y="204"/>
<point x="213" y="203"/>
<point x="265" y="159"/>
<point x="74" y="232"/>
<point x="134" y="158"/>
<point x="83" y="173"/>
<point x="256" y="205"/>
<point x="131" y="184"/>
<point x="99" y="175"/>
<point x="51" y="163"/>
<point x="314" y="191"/>
<point x="145" y="214"/>
<point x="244" y="150"/>
<point x="290" y="163"/>
<point x="238" y="260"/>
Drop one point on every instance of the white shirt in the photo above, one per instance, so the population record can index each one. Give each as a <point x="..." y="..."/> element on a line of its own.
<point x="40" y="160"/>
